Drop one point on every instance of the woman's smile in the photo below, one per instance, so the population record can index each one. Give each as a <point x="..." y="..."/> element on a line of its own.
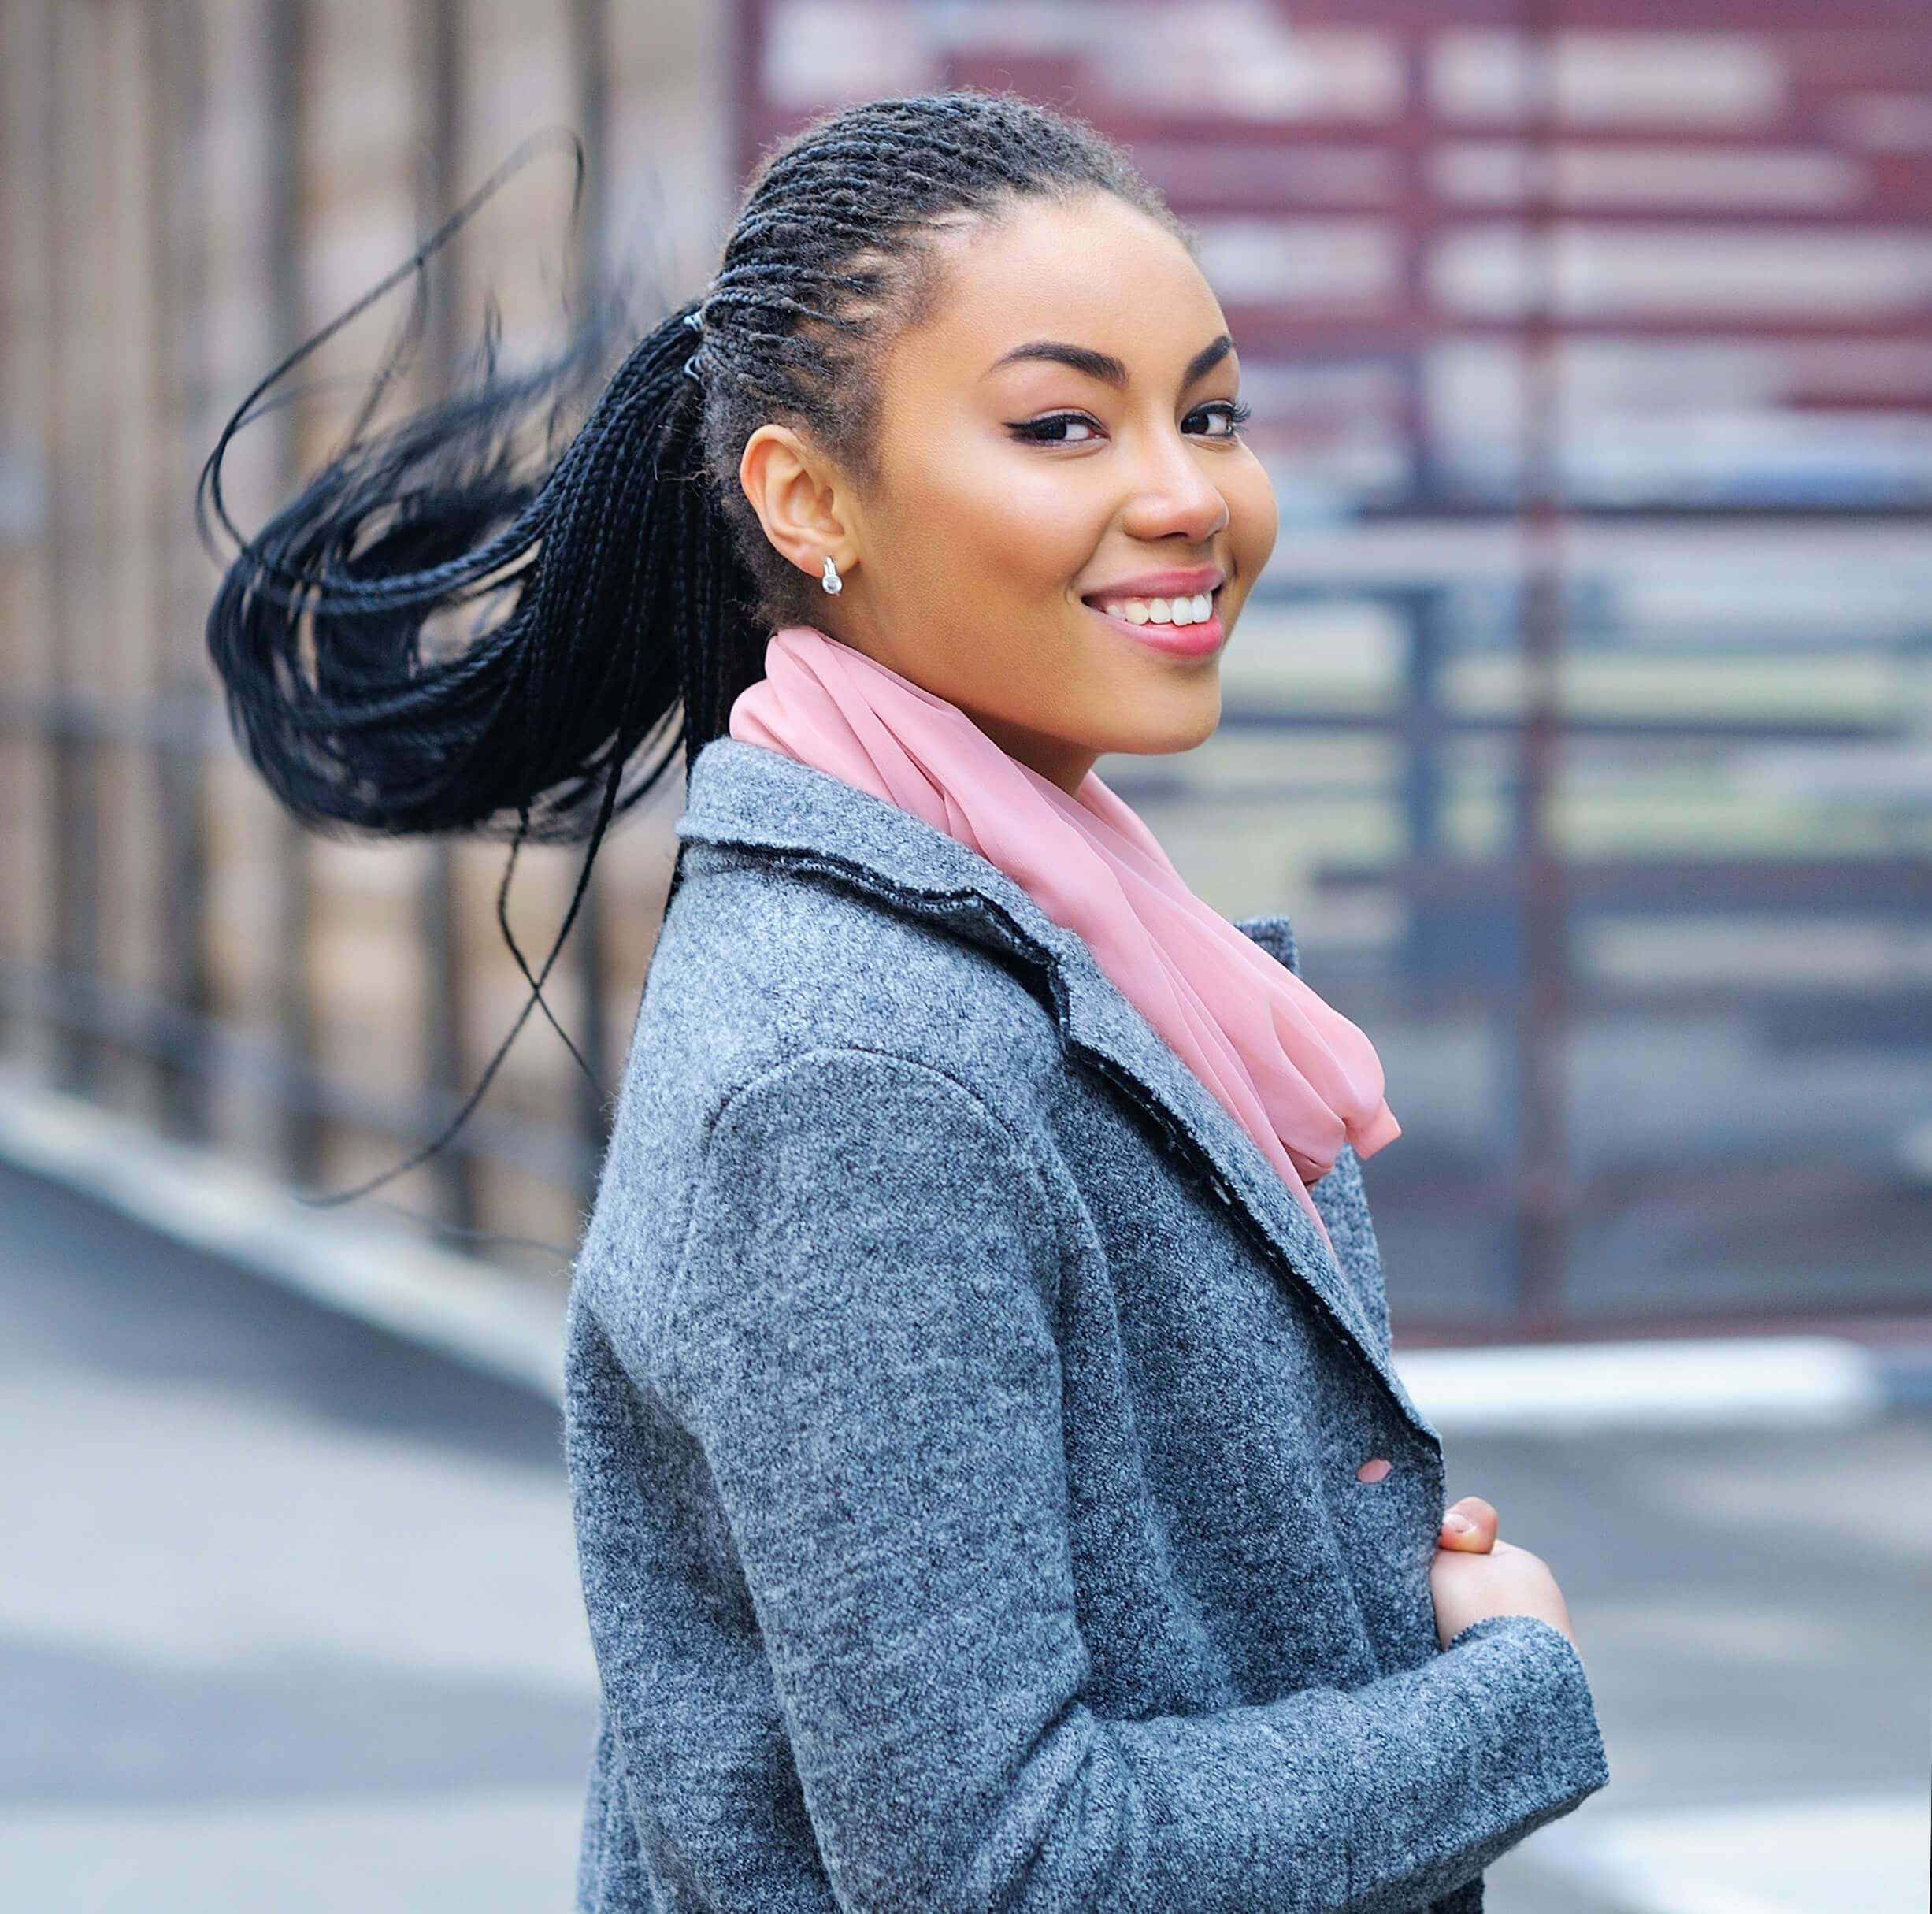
<point x="1178" y="612"/>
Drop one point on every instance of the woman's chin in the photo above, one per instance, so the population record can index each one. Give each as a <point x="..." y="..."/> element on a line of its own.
<point x="1169" y="725"/>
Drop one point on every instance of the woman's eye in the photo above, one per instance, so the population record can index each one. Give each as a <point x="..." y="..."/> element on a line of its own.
<point x="1058" y="429"/>
<point x="1235" y="411"/>
<point x="1046" y="432"/>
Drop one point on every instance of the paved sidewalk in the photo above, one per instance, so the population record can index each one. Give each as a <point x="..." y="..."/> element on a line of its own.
<point x="291" y="1622"/>
<point x="1752" y="1610"/>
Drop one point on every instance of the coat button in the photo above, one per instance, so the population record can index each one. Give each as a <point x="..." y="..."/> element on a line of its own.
<point x="1374" y="1470"/>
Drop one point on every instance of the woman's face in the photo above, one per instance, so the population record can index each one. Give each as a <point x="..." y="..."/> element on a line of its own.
<point x="1018" y="492"/>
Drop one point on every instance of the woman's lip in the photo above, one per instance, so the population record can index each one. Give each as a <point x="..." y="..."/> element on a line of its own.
<point x="1182" y="640"/>
<point x="1189" y="583"/>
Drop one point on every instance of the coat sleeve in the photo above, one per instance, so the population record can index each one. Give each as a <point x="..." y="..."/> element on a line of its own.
<point x="862" y="1339"/>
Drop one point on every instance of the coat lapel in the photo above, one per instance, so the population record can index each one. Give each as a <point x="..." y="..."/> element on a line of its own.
<point x="742" y="795"/>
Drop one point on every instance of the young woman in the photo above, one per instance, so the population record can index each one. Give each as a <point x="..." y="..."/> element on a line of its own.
<point x="992" y="1487"/>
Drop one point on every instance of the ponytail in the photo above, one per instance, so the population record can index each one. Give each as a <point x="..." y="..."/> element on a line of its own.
<point x="598" y="608"/>
<point x="626" y="606"/>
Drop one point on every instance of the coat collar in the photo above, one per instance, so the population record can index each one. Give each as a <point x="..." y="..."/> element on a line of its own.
<point x="742" y="794"/>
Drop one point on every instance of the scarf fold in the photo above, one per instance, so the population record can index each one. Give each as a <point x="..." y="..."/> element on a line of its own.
<point x="1295" y="1073"/>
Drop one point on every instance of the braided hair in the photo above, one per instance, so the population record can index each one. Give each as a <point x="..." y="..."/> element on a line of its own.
<point x="628" y="591"/>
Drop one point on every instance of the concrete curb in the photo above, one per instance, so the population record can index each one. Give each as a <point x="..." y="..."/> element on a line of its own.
<point x="1662" y="1383"/>
<point x="477" y="1312"/>
<point x="482" y="1314"/>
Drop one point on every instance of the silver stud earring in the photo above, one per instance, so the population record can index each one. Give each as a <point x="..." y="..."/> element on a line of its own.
<point x="832" y="581"/>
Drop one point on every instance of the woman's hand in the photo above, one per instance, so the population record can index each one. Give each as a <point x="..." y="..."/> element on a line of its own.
<point x="1474" y="1574"/>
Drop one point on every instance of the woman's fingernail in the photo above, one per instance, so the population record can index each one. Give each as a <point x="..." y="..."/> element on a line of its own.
<point x="1459" y="1525"/>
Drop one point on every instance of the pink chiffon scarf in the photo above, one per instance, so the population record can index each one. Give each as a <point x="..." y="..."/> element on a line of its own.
<point x="1295" y="1073"/>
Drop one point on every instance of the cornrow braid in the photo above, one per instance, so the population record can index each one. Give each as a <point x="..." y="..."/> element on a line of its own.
<point x="622" y="598"/>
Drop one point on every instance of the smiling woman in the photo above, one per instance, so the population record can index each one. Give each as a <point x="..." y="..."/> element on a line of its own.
<point x="992" y="1487"/>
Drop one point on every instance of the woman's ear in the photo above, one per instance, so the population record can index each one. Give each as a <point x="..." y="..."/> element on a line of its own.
<point x="799" y="499"/>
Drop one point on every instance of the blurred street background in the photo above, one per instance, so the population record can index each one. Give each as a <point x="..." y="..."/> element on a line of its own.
<point x="1583" y="723"/>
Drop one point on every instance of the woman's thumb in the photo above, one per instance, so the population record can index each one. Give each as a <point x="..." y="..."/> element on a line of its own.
<point x="1469" y="1524"/>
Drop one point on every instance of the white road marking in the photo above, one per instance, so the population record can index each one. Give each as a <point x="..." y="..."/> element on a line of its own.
<point x="1867" y="1853"/>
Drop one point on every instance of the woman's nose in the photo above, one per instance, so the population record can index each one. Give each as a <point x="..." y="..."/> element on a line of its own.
<point x="1176" y="497"/>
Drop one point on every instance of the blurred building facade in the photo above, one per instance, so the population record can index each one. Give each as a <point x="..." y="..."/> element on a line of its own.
<point x="1583" y="720"/>
<point x="193" y="188"/>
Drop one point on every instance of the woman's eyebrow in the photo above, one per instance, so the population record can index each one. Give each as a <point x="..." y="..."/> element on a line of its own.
<point x="1104" y="365"/>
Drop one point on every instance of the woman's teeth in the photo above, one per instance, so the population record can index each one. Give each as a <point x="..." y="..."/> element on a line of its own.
<point x="1195" y="610"/>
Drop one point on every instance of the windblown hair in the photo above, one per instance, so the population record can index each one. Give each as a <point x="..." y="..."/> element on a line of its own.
<point x="627" y="592"/>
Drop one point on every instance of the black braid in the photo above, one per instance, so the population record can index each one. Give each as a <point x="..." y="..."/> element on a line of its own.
<point x="624" y="599"/>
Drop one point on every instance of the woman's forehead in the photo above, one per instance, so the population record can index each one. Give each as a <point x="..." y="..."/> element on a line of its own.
<point x="1096" y="273"/>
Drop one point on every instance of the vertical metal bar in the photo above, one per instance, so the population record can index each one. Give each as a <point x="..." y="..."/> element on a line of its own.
<point x="440" y="106"/>
<point x="175" y="51"/>
<point x="590" y="48"/>
<point x="25" y="145"/>
<point x="748" y="28"/>
<point x="1412" y="294"/>
<point x="285" y="94"/>
<point x="1543" y="1006"/>
<point x="1423" y="775"/>
<point x="73" y="829"/>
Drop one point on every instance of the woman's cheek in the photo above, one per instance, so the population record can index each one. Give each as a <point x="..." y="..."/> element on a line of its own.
<point x="1256" y="517"/>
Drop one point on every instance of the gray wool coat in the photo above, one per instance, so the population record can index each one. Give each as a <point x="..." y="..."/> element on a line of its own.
<point x="963" y="1423"/>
